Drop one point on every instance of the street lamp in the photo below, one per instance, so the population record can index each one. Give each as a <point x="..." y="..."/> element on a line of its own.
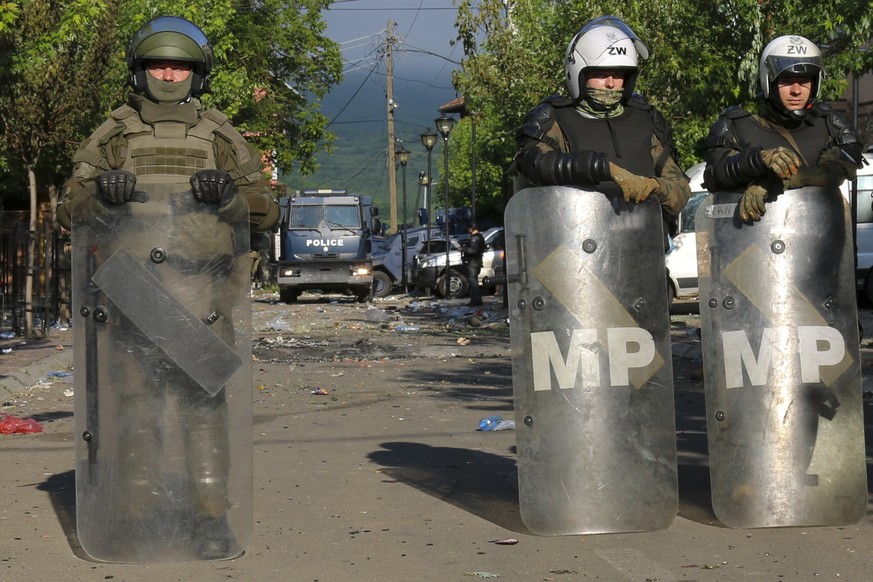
<point x="402" y="155"/>
<point x="428" y="140"/>
<point x="444" y="125"/>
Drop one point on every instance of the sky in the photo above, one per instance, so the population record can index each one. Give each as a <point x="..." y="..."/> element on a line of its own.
<point x="422" y="61"/>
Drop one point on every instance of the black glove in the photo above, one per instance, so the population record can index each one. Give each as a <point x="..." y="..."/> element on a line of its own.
<point x="213" y="187"/>
<point x="116" y="186"/>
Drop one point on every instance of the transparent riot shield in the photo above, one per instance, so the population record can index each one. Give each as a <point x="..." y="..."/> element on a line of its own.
<point x="781" y="361"/>
<point x="162" y="354"/>
<point x="591" y="362"/>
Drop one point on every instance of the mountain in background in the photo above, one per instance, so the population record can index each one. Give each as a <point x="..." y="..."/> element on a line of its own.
<point x="359" y="163"/>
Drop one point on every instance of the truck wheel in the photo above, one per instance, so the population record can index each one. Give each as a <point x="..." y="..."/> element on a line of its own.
<point x="458" y="286"/>
<point x="288" y="295"/>
<point x="381" y="284"/>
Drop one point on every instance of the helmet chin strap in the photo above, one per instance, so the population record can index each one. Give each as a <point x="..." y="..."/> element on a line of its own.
<point x="168" y="91"/>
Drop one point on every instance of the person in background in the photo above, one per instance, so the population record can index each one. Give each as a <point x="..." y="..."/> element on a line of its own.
<point x="472" y="256"/>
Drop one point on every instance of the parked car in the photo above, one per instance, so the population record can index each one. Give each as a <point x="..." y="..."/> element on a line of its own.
<point x="429" y="271"/>
<point x="681" y="258"/>
<point x="864" y="221"/>
<point x="388" y="258"/>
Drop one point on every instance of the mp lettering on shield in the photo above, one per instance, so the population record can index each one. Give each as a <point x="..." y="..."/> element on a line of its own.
<point x="627" y="348"/>
<point x="818" y="346"/>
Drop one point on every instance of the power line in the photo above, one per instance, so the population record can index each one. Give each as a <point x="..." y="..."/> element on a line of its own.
<point x="358" y="90"/>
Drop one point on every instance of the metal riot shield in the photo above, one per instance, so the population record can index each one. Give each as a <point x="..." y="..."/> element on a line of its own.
<point x="591" y="362"/>
<point x="781" y="361"/>
<point x="162" y="350"/>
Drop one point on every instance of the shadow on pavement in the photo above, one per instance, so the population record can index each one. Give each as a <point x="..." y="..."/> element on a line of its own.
<point x="61" y="489"/>
<point x="480" y="483"/>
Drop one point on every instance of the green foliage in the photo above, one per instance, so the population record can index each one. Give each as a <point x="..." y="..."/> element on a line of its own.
<point x="62" y="71"/>
<point x="9" y="12"/>
<point x="703" y="58"/>
<point x="52" y="58"/>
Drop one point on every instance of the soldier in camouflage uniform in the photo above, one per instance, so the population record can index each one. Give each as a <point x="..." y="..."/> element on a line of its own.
<point x="163" y="140"/>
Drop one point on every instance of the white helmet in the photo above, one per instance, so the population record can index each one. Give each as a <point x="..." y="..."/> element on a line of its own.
<point x="604" y="43"/>
<point x="791" y="54"/>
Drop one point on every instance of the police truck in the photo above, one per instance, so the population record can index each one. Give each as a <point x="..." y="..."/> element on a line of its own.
<point x="323" y="243"/>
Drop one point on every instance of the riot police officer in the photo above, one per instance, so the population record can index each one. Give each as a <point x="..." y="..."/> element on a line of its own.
<point x="603" y="134"/>
<point x="791" y="141"/>
<point x="598" y="168"/>
<point x="785" y="445"/>
<point x="163" y="149"/>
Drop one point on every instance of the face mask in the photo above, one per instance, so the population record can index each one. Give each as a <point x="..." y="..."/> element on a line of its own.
<point x="167" y="91"/>
<point x="606" y="98"/>
<point x="602" y="102"/>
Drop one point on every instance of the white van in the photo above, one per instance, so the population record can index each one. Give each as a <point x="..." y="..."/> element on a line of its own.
<point x="681" y="257"/>
<point x="864" y="267"/>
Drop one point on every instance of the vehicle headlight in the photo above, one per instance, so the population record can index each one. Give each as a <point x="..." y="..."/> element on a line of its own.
<point x="360" y="270"/>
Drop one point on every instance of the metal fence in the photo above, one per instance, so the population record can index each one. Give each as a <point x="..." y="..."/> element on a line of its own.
<point x="50" y="297"/>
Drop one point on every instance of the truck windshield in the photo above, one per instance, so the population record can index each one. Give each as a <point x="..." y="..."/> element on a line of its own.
<point x="336" y="216"/>
<point x="342" y="216"/>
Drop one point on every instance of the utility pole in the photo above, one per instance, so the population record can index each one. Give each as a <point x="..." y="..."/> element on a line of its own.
<point x="392" y="170"/>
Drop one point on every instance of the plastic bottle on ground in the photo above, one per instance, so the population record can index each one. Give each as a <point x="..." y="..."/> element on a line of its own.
<point x="490" y="422"/>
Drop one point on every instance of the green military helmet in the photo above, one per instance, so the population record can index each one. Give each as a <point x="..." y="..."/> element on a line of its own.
<point x="170" y="38"/>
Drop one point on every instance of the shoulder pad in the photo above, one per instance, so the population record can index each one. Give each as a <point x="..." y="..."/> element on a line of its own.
<point x="822" y="108"/>
<point x="638" y="101"/>
<point x="123" y="112"/>
<point x="216" y="116"/>
<point x="538" y="122"/>
<point x="662" y="128"/>
<point x="839" y="127"/>
<point x="734" y="112"/>
<point x="721" y="134"/>
<point x="112" y="127"/>
<point x="558" y="101"/>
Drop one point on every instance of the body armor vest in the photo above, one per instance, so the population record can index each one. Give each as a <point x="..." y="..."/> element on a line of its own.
<point x="811" y="138"/>
<point x="167" y="152"/>
<point x="625" y="140"/>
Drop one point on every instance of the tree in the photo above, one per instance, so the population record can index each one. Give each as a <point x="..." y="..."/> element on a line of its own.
<point x="704" y="57"/>
<point x="291" y="65"/>
<point x="51" y="59"/>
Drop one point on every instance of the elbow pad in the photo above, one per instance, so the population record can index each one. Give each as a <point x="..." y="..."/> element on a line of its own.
<point x="585" y="168"/>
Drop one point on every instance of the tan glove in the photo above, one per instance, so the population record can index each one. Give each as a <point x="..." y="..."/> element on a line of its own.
<point x="781" y="161"/>
<point x="751" y="205"/>
<point x="636" y="188"/>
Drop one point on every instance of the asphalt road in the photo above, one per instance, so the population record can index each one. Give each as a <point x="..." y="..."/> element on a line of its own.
<point x="369" y="467"/>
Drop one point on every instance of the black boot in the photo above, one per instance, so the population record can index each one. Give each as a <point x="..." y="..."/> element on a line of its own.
<point x="214" y="540"/>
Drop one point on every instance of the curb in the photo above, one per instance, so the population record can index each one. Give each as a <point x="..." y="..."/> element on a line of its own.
<point x="23" y="379"/>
